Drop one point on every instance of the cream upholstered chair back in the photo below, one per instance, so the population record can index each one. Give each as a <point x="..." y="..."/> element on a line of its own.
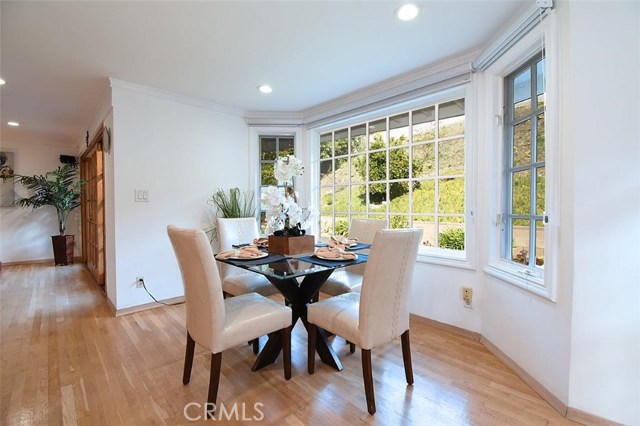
<point x="384" y="298"/>
<point x="365" y="229"/>
<point x="232" y="231"/>
<point x="202" y="286"/>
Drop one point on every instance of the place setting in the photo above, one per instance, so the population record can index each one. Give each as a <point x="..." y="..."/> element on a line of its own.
<point x="335" y="256"/>
<point x="344" y="243"/>
<point x="248" y="254"/>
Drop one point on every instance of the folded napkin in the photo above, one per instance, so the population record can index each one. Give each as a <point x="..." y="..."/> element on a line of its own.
<point x="335" y="253"/>
<point x="341" y="242"/>
<point x="248" y="252"/>
<point x="261" y="242"/>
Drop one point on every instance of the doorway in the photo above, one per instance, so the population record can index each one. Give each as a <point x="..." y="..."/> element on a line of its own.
<point x="91" y="170"/>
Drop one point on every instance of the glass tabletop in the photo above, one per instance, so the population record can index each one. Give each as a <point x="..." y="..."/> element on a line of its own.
<point x="287" y="268"/>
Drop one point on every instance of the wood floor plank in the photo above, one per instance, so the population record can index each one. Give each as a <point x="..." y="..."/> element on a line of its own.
<point x="65" y="360"/>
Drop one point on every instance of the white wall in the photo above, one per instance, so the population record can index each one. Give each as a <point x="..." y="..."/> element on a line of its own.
<point x="437" y="294"/>
<point x="602" y="79"/>
<point x="585" y="347"/>
<point x="532" y="330"/>
<point x="180" y="153"/>
<point x="25" y="235"/>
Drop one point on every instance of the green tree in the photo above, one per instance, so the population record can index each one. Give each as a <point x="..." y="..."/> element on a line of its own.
<point x="398" y="169"/>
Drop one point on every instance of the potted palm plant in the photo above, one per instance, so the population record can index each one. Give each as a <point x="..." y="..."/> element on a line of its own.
<point x="59" y="188"/>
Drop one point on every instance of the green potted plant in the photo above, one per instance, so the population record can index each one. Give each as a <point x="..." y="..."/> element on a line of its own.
<point x="233" y="203"/>
<point x="59" y="188"/>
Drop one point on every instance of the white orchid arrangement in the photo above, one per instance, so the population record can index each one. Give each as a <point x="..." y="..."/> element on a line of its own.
<point x="284" y="215"/>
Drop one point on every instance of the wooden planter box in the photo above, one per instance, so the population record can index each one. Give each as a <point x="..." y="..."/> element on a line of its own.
<point x="291" y="245"/>
<point x="63" y="249"/>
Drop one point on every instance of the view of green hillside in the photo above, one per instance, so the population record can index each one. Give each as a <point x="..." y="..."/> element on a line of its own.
<point x="347" y="163"/>
<point x="412" y="186"/>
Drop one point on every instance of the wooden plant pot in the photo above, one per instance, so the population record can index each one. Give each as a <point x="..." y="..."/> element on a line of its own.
<point x="291" y="245"/>
<point x="63" y="249"/>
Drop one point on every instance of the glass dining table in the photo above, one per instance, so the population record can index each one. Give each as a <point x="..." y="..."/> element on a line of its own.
<point x="284" y="273"/>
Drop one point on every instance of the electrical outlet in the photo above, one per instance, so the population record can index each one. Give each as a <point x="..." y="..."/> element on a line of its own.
<point x="139" y="282"/>
<point x="467" y="297"/>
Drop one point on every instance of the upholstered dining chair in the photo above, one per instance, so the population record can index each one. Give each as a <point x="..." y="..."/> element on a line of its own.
<point x="380" y="312"/>
<point x="217" y="323"/>
<point x="350" y="279"/>
<point x="236" y="281"/>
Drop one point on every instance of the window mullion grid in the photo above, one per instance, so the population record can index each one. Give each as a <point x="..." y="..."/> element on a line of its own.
<point x="506" y="246"/>
<point x="349" y="175"/>
<point x="333" y="183"/>
<point x="531" y="167"/>
<point x="388" y="171"/>
<point x="410" y="169"/>
<point x="412" y="178"/>
<point x="436" y="150"/>
<point x="533" y="174"/>
<point x="366" y="168"/>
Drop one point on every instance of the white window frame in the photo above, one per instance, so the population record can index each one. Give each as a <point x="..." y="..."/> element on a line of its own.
<point x="494" y="76"/>
<point x="255" y="132"/>
<point x="532" y="167"/>
<point x="454" y="258"/>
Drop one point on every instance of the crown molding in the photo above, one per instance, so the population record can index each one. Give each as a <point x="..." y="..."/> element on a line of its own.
<point x="395" y="89"/>
<point x="174" y="97"/>
<point x="273" y="118"/>
<point x="514" y="32"/>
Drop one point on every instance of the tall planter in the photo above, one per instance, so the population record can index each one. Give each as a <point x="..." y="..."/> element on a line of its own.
<point x="59" y="189"/>
<point x="63" y="246"/>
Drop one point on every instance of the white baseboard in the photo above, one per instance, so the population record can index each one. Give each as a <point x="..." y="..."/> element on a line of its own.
<point x="588" y="419"/>
<point x="555" y="402"/>
<point x="139" y="308"/>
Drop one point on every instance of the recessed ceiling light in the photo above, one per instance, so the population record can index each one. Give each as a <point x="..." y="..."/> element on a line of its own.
<point x="265" y="88"/>
<point x="407" y="12"/>
<point x="13" y="123"/>
<point x="2" y="82"/>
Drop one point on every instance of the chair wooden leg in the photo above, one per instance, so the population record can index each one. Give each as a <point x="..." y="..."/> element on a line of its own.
<point x="367" y="375"/>
<point x="406" y="357"/>
<point x="188" y="359"/>
<point x="286" y="351"/>
<point x="256" y="345"/>
<point x="311" y="348"/>
<point x="214" y="381"/>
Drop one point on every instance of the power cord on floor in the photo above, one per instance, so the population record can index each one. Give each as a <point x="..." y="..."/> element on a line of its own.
<point x="156" y="300"/>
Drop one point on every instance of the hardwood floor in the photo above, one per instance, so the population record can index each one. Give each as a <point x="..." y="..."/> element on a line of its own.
<point x="66" y="360"/>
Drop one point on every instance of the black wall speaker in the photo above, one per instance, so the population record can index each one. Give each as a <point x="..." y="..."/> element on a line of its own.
<point x="68" y="159"/>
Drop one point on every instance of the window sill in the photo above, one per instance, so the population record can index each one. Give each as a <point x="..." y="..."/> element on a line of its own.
<point x="451" y="258"/>
<point x="515" y="276"/>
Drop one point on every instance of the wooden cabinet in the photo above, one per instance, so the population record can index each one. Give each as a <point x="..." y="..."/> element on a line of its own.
<point x="91" y="170"/>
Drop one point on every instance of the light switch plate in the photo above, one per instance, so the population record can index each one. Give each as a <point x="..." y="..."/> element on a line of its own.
<point x="142" y="196"/>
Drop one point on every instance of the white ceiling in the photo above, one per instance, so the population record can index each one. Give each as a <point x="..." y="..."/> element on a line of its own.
<point x="56" y="57"/>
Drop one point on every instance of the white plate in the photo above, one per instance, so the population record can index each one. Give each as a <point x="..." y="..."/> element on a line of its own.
<point x="247" y="258"/>
<point x="337" y="259"/>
